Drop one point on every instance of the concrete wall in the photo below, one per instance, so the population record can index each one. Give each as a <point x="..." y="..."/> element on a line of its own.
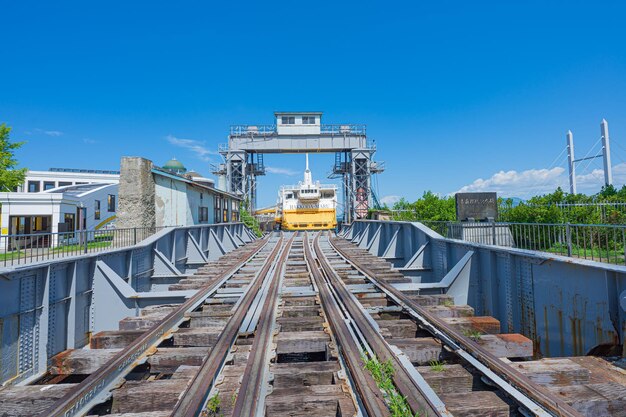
<point x="136" y="207"/>
<point x="170" y="198"/>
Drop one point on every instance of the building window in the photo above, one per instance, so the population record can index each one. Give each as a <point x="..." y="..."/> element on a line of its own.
<point x="308" y="120"/>
<point x="33" y="186"/>
<point x="203" y="214"/>
<point x="234" y="216"/>
<point x="64" y="183"/>
<point x="216" y="209"/>
<point x="288" y="120"/>
<point x="48" y="185"/>
<point x="69" y="219"/>
<point x="96" y="213"/>
<point x="111" y="203"/>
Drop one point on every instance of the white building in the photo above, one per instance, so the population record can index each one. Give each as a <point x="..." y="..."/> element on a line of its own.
<point x="62" y="209"/>
<point x="170" y="196"/>
<point x="298" y="123"/>
<point x="37" y="181"/>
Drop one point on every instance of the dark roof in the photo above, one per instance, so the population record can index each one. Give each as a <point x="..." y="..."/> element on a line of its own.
<point x="85" y="171"/>
<point x="297" y="113"/>
<point x="180" y="177"/>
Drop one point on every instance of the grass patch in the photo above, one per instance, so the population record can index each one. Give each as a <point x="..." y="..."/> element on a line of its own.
<point x="213" y="407"/>
<point x="9" y="256"/>
<point x="78" y="248"/>
<point x="472" y="334"/>
<point x="437" y="366"/>
<point x="447" y="303"/>
<point x="383" y="372"/>
<point x="613" y="256"/>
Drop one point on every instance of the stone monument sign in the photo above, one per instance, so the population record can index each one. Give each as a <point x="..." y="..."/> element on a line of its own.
<point x="476" y="206"/>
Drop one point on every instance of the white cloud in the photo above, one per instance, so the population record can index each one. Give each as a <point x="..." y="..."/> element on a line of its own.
<point x="53" y="133"/>
<point x="193" y="145"/>
<point x="90" y="141"/>
<point x="532" y="182"/>
<point x="390" y="200"/>
<point x="281" y="171"/>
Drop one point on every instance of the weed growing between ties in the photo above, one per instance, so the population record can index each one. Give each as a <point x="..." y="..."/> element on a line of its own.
<point x="437" y="366"/>
<point x="382" y="372"/>
<point x="472" y="334"/>
<point x="213" y="407"/>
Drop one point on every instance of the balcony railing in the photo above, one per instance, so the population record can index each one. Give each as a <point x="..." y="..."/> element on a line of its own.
<point x="349" y="129"/>
<point x="252" y="130"/>
<point x="270" y="130"/>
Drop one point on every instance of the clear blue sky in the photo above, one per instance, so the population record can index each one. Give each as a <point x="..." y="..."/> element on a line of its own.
<point x="452" y="92"/>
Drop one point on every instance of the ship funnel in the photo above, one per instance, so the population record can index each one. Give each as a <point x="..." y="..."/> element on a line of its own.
<point x="308" y="178"/>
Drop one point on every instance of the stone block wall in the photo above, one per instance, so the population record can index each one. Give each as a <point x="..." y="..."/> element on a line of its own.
<point x="136" y="207"/>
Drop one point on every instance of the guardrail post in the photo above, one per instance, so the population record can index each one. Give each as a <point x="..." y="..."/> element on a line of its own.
<point x="568" y="238"/>
<point x="493" y="229"/>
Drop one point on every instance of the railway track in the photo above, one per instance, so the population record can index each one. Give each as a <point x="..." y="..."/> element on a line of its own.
<point x="307" y="324"/>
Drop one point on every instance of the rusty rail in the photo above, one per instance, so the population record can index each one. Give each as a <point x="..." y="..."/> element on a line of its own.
<point x="95" y="388"/>
<point x="194" y="399"/>
<point x="366" y="387"/>
<point x="506" y="377"/>
<point x="419" y="401"/>
<point x="252" y="380"/>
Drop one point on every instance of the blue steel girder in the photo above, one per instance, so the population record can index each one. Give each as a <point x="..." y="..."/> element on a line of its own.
<point x="567" y="306"/>
<point x="49" y="306"/>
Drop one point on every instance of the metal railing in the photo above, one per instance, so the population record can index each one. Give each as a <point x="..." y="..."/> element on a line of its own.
<point x="604" y="211"/>
<point x="252" y="130"/>
<point x="27" y="248"/>
<point x="597" y="242"/>
<point x="269" y="130"/>
<point x="349" y="129"/>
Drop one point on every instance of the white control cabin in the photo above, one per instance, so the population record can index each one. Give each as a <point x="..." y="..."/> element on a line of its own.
<point x="298" y="123"/>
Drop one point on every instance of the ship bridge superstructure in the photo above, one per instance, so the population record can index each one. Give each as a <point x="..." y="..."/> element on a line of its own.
<point x="301" y="132"/>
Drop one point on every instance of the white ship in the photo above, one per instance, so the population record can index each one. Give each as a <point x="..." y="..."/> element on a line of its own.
<point x="308" y="205"/>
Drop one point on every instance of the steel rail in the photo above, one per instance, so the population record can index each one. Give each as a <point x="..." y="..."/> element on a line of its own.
<point x="253" y="377"/>
<point x="511" y="381"/>
<point x="367" y="390"/>
<point x="193" y="400"/>
<point x="422" y="400"/>
<point x="95" y="388"/>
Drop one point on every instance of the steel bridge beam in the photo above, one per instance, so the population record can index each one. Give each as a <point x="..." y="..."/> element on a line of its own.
<point x="567" y="306"/>
<point x="49" y="306"/>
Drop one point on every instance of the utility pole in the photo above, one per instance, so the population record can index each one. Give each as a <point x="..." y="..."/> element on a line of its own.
<point x="606" y="152"/>
<point x="570" y="159"/>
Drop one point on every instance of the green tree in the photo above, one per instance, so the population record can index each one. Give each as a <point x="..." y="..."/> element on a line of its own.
<point x="429" y="207"/>
<point x="10" y="177"/>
